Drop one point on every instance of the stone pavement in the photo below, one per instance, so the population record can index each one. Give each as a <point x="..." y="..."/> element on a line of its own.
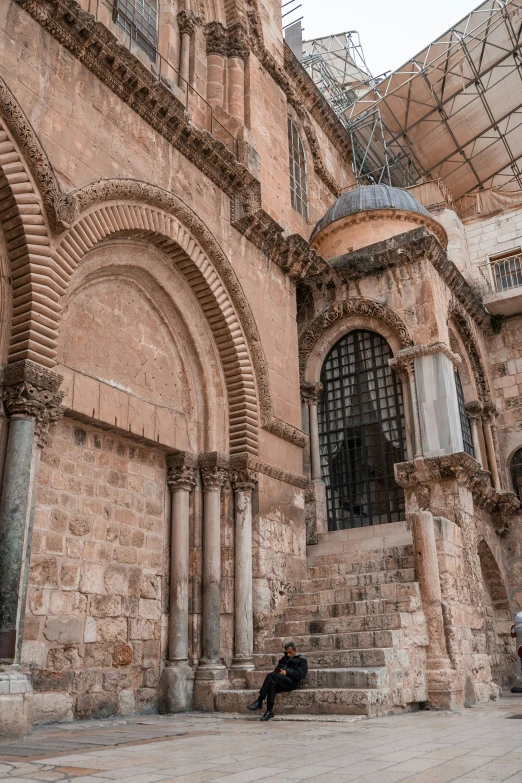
<point x="475" y="745"/>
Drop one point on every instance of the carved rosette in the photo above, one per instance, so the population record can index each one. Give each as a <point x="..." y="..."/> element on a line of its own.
<point x="182" y="471"/>
<point x="32" y="392"/>
<point x="214" y="470"/>
<point x="187" y="22"/>
<point x="311" y="392"/>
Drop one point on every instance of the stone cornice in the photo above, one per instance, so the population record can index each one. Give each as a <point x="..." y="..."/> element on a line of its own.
<point x="249" y="462"/>
<point x="409" y="248"/>
<point x="465" y="469"/>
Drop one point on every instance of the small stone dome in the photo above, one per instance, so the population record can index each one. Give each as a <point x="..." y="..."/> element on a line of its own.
<point x="367" y="198"/>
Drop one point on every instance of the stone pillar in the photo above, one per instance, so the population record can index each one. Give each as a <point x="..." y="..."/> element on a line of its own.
<point x="214" y="471"/>
<point x="408" y="414"/>
<point x="217" y="50"/>
<point x="238" y="52"/>
<point x="488" y="414"/>
<point x="244" y="480"/>
<point x="33" y="402"/>
<point x="310" y="396"/>
<point x="474" y="411"/>
<point x="187" y="23"/>
<point x="176" y="683"/>
<point x="444" y="686"/>
<point x="403" y="364"/>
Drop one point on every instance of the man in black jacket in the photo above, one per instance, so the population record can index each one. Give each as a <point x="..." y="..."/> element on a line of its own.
<point x="290" y="670"/>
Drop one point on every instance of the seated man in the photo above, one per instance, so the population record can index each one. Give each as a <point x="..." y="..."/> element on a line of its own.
<point x="290" y="670"/>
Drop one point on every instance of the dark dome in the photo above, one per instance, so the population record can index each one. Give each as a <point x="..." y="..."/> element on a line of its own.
<point x="368" y="197"/>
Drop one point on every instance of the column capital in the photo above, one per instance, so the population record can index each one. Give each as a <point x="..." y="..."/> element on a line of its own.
<point x="214" y="470"/>
<point x="217" y="39"/>
<point x="403" y="360"/>
<point x="182" y="471"/>
<point x="243" y="479"/>
<point x="31" y="391"/>
<point x="311" y="392"/>
<point x="489" y="411"/>
<point x="474" y="410"/>
<point x="187" y="22"/>
<point x="238" y="45"/>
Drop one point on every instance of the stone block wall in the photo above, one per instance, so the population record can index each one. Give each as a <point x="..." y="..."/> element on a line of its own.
<point x="94" y="612"/>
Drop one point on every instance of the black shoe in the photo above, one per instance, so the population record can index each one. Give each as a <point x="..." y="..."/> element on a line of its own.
<point x="268" y="715"/>
<point x="256" y="705"/>
<point x="516" y="689"/>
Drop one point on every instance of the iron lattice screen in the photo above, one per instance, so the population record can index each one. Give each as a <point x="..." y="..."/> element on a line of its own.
<point x="298" y="186"/>
<point x="464" y="420"/>
<point x="516" y="473"/>
<point x="361" y="432"/>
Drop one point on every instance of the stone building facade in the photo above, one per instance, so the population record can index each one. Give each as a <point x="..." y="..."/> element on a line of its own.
<point x="175" y="499"/>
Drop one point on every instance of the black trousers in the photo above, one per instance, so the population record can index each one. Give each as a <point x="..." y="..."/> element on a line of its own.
<point x="275" y="683"/>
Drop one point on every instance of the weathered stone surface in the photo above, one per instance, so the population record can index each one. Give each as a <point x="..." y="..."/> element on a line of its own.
<point x="65" y="630"/>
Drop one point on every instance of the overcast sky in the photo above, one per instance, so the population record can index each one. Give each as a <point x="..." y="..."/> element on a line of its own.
<point x="391" y="31"/>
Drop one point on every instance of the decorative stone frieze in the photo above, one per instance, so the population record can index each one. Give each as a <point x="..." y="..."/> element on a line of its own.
<point x="188" y="21"/>
<point x="182" y="471"/>
<point x="465" y="469"/>
<point x="32" y="392"/>
<point x="352" y="306"/>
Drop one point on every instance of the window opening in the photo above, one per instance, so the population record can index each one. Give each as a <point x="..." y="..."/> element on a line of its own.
<point x="361" y="432"/>
<point x="507" y="270"/>
<point x="516" y="473"/>
<point x="139" y="19"/>
<point x="298" y="186"/>
<point x="464" y="418"/>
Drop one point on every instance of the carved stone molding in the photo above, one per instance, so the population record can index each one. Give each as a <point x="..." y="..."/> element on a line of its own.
<point x="465" y="469"/>
<point x="32" y="392"/>
<point x="187" y="22"/>
<point x="249" y="462"/>
<point x="404" y="359"/>
<point x="311" y="392"/>
<point x="319" y="165"/>
<point x="339" y="310"/>
<point x="182" y="471"/>
<point x="24" y="136"/>
<point x="463" y="326"/>
<point x="214" y="470"/>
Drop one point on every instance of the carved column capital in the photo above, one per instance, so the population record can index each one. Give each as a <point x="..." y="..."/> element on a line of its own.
<point x="187" y="22"/>
<point x="217" y="39"/>
<point x="238" y="45"/>
<point x="182" y="471"/>
<point x="243" y="479"/>
<point x="311" y="392"/>
<point x="489" y="411"/>
<point x="214" y="470"/>
<point x="474" y="410"/>
<point x="403" y="360"/>
<point x="32" y="392"/>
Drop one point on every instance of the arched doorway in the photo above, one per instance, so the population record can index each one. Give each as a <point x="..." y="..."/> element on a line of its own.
<point x="362" y="432"/>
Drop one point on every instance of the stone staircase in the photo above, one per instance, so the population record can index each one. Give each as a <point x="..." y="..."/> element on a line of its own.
<point x="358" y="620"/>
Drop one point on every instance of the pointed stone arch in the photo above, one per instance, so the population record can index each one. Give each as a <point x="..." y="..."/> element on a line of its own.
<point x="463" y="327"/>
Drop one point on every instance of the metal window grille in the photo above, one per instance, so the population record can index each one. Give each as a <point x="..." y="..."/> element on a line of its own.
<point x="298" y="186"/>
<point x="361" y="433"/>
<point x="507" y="272"/>
<point x="516" y="473"/>
<point x="139" y="19"/>
<point x="464" y="419"/>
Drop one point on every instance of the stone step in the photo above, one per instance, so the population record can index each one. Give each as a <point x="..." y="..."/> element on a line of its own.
<point x="361" y="566"/>
<point x="333" y="553"/>
<point x="313" y="701"/>
<point x="378" y="536"/>
<point x="387" y="590"/>
<point x="333" y="641"/>
<point x="373" y="657"/>
<point x="370" y="677"/>
<point x="369" y="622"/>
<point x="316" y="584"/>
<point x="352" y="608"/>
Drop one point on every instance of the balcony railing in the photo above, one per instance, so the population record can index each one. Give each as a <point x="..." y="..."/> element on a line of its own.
<point x="502" y="275"/>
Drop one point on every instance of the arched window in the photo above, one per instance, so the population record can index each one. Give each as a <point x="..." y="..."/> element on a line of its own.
<point x="516" y="473"/>
<point x="298" y="187"/>
<point x="464" y="419"/>
<point x="361" y="432"/>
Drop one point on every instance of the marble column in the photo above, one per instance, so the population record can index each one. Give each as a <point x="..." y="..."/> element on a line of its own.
<point x="310" y="396"/>
<point x="474" y="411"/>
<point x="404" y="365"/>
<point x="488" y="414"/>
<point x="33" y="402"/>
<point x="214" y="472"/>
<point x="176" y="683"/>
<point x="187" y="23"/>
<point x="243" y="480"/>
